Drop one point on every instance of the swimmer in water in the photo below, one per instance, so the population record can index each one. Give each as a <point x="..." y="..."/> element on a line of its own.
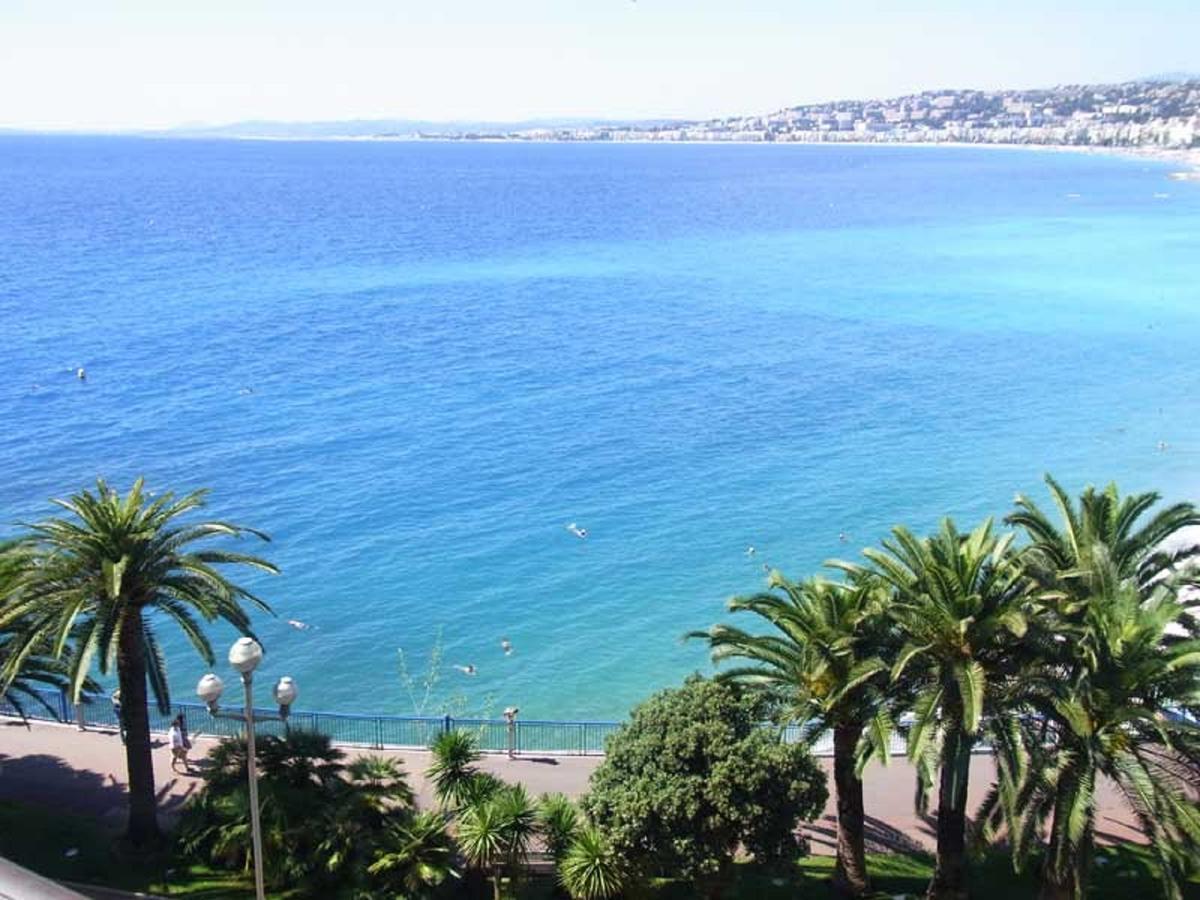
<point x="750" y="550"/>
<point x="298" y="625"/>
<point x="467" y="669"/>
<point x="843" y="537"/>
<point x="1162" y="445"/>
<point x="81" y="374"/>
<point x="580" y="533"/>
<point x="506" y="646"/>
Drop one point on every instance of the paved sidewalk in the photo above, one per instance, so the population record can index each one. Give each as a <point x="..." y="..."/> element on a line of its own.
<point x="57" y="766"/>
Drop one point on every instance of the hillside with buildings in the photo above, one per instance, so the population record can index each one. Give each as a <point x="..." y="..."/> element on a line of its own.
<point x="1134" y="114"/>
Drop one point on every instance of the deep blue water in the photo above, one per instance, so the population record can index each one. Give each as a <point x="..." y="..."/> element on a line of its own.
<point x="455" y="350"/>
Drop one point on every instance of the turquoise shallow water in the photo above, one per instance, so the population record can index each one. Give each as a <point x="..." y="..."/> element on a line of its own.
<point x="455" y="350"/>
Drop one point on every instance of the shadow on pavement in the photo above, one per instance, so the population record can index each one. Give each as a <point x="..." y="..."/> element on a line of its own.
<point x="879" y="836"/>
<point x="48" y="781"/>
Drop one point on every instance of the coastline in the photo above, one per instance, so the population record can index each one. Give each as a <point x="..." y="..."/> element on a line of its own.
<point x="1188" y="159"/>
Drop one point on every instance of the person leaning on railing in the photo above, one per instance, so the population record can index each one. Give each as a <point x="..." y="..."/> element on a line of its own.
<point x="116" y="704"/>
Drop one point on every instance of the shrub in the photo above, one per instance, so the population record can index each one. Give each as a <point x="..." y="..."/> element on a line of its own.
<point x="694" y="776"/>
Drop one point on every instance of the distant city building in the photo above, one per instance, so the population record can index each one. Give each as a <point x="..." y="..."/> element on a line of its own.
<point x="1133" y="114"/>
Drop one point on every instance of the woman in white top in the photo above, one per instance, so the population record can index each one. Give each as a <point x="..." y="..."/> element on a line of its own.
<point x="179" y="744"/>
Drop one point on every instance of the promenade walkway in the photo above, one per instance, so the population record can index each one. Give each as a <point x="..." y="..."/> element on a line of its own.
<point x="59" y="767"/>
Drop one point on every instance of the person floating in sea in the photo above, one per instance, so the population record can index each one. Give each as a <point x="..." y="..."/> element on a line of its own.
<point x="298" y="625"/>
<point x="1162" y="445"/>
<point x="750" y="551"/>
<point x="843" y="537"/>
<point x="506" y="646"/>
<point x="468" y="669"/>
<point x="580" y="533"/>
<point x="81" y="374"/>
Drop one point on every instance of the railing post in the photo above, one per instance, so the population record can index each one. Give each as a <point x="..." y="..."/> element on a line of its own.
<point x="64" y="704"/>
<point x="446" y="724"/>
<point x="379" y="732"/>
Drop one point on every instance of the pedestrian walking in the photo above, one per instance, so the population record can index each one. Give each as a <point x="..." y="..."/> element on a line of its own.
<point x="180" y="745"/>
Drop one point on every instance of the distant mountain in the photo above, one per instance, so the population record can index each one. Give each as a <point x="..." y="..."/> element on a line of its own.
<point x="1172" y="77"/>
<point x="366" y="128"/>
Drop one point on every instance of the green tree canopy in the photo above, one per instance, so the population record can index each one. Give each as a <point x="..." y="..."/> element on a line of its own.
<point x="694" y="776"/>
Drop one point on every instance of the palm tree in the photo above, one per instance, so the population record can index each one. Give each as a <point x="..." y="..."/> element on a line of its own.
<point x="26" y="669"/>
<point x="960" y="601"/>
<point x="558" y="821"/>
<point x="99" y="576"/>
<point x="1101" y="537"/>
<point x="824" y="660"/>
<point x="455" y="754"/>
<point x="414" y="857"/>
<point x="381" y="782"/>
<point x="591" y="868"/>
<point x="1111" y="705"/>
<point x="1126" y="654"/>
<point x="308" y="810"/>
<point x="495" y="835"/>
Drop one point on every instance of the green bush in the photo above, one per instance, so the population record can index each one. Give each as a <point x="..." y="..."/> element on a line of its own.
<point x="694" y="777"/>
<point x="329" y="830"/>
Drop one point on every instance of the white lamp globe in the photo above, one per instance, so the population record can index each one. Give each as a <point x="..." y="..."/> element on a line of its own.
<point x="286" y="691"/>
<point x="245" y="655"/>
<point x="209" y="689"/>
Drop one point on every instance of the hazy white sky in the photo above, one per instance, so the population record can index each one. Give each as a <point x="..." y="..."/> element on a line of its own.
<point x="139" y="63"/>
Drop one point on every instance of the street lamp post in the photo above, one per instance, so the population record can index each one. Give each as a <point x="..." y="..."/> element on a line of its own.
<point x="244" y="656"/>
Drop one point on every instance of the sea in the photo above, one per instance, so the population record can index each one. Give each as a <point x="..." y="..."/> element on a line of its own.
<point x="415" y="364"/>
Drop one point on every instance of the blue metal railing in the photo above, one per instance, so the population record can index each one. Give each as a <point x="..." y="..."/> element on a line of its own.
<point x="576" y="738"/>
<point x="529" y="735"/>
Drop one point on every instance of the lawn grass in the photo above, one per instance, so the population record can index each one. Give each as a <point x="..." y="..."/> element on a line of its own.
<point x="40" y="840"/>
<point x="1125" y="872"/>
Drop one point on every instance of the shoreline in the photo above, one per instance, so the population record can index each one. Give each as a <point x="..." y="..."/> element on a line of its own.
<point x="1188" y="159"/>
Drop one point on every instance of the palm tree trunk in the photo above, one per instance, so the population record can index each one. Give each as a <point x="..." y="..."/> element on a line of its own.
<point x="850" y="872"/>
<point x="131" y="673"/>
<point x="950" y="872"/>
<point x="1070" y="881"/>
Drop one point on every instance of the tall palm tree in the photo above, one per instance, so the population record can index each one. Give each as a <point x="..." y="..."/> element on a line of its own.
<point x="824" y="658"/>
<point x="1110" y="707"/>
<point x="1127" y="652"/>
<point x="960" y="601"/>
<point x="99" y="577"/>
<point x="1101" y="537"/>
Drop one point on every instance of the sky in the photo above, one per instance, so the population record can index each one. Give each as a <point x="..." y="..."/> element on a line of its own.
<point x="122" y="64"/>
